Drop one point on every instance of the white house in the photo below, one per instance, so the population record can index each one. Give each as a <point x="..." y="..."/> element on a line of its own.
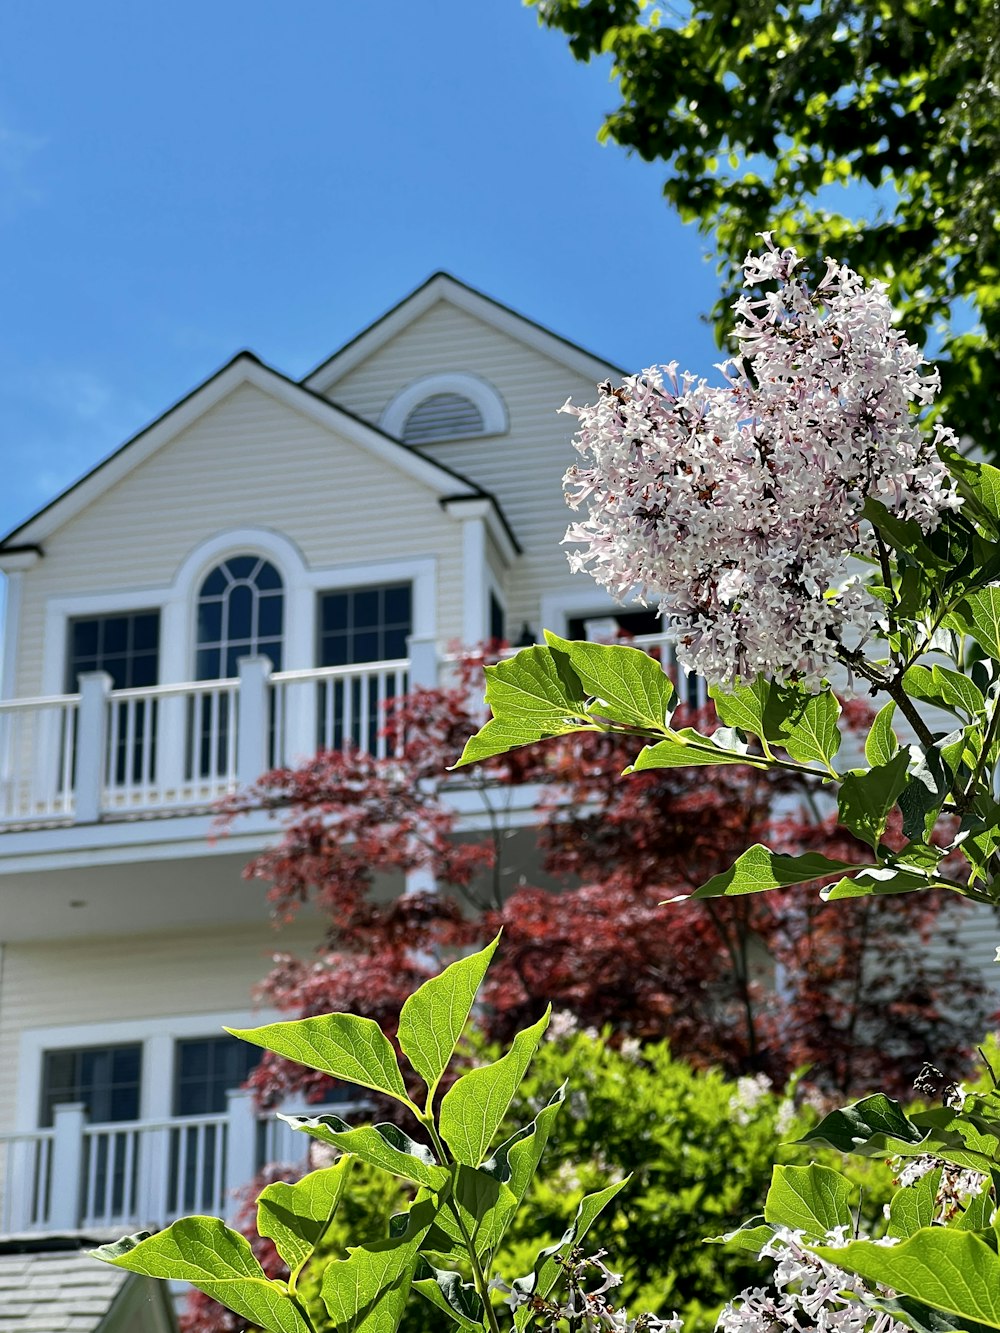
<point x="244" y="580"/>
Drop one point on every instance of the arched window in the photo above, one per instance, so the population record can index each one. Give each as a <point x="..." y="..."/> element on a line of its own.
<point x="442" y="416"/>
<point x="240" y="614"/>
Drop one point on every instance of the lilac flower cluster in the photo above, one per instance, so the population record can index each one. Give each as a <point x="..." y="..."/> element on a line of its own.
<point x="808" y="1293"/>
<point x="735" y="508"/>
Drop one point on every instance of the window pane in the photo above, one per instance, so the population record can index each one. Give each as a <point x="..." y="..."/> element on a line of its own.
<point x="333" y="650"/>
<point x="394" y="644"/>
<point x="242" y="566"/>
<point x="240" y="613"/>
<point x="146" y="632"/>
<point x="116" y="634"/>
<point x="84" y="638"/>
<point x="216" y="583"/>
<point x="366" y="608"/>
<point x="207" y="667"/>
<point x="268" y="579"/>
<point x="209" y="622"/>
<point x="269" y="616"/>
<point x="333" y="611"/>
<point x="366" y="647"/>
<point x="397" y="604"/>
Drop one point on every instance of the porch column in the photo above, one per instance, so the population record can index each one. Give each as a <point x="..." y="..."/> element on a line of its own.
<point x="422" y="652"/>
<point x="91" y="745"/>
<point x="66" y="1167"/>
<point x="254" y="720"/>
<point x="241" y="1147"/>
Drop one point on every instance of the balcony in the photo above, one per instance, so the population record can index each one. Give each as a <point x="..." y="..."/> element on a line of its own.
<point x="133" y="1175"/>
<point x="106" y="755"/>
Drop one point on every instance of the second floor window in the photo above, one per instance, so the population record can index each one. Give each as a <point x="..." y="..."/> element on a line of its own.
<point x="365" y="624"/>
<point x="126" y="646"/>
<point x="240" y="614"/>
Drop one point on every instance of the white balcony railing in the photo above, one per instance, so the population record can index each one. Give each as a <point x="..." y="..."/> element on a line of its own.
<point x="77" y="1176"/>
<point x="106" y="754"/>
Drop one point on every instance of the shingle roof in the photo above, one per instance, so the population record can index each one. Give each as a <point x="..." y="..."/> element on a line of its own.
<point x="56" y="1291"/>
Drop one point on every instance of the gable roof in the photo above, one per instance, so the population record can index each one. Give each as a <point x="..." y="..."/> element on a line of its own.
<point x="63" y="1290"/>
<point x="244" y="368"/>
<point x="442" y="286"/>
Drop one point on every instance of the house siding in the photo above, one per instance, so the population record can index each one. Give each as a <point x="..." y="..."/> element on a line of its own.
<point x="248" y="462"/>
<point x="523" y="468"/>
<point x="103" y="980"/>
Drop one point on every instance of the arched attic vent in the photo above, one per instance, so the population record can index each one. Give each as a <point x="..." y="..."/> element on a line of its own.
<point x="445" y="407"/>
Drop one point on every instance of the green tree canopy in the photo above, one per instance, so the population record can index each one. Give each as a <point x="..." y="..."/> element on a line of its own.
<point x="760" y="108"/>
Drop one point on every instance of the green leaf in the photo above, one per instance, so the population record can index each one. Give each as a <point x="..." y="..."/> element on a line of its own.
<point x="348" y="1047"/>
<point x="473" y="1108"/>
<point x="385" y="1146"/>
<point x="977" y="1212"/>
<point x="547" y="1269"/>
<point x="486" y="1207"/>
<point x="627" y="684"/>
<point x="883" y="879"/>
<point x="812" y="735"/>
<point x="502" y="734"/>
<point x="979" y="614"/>
<point x="867" y="796"/>
<point x="759" y="869"/>
<point x="218" y="1261"/>
<point x="882" y="744"/>
<point x="946" y="1269"/>
<point x="925" y="792"/>
<point x="534" y="695"/>
<point x="901" y="534"/>
<point x="813" y="1199"/>
<point x="921" y="1318"/>
<point x="958" y="690"/>
<point x="459" y="1300"/>
<point x="686" y="748"/>
<point x="977" y="482"/>
<point x="296" y="1216"/>
<point x="913" y="1207"/>
<point x="352" y="1287"/>
<point x="433" y="1017"/>
<point x="752" y="1236"/>
<point x="516" y="1160"/>
<point x="867" y="1127"/>
<point x="765" y="709"/>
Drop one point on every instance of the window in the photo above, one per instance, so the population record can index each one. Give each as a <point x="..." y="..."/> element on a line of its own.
<point x="630" y="623"/>
<point x="442" y="416"/>
<point x="497" y="619"/>
<point x="105" y="1078"/>
<point x="206" y="1068"/>
<point x="356" y="626"/>
<point x="126" y="646"/>
<point x="365" y="624"/>
<point x="240" y="614"/>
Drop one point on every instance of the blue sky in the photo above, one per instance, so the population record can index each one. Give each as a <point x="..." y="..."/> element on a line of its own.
<point x="180" y="181"/>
